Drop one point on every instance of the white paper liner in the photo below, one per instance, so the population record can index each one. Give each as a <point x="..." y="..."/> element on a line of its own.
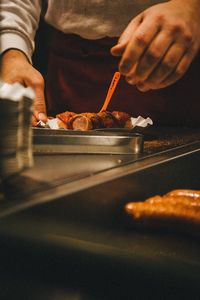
<point x="53" y="123"/>
<point x="141" y="122"/>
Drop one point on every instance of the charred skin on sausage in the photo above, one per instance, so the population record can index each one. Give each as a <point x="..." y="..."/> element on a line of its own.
<point x="123" y="118"/>
<point x="85" y="121"/>
<point x="88" y="121"/>
<point x="65" y="117"/>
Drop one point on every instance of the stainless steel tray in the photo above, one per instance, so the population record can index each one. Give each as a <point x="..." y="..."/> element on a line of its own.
<point x="92" y="142"/>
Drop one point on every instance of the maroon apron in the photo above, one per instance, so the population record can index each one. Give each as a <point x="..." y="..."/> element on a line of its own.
<point x="80" y="72"/>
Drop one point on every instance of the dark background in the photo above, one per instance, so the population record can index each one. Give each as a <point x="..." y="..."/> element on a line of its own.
<point x="42" y="43"/>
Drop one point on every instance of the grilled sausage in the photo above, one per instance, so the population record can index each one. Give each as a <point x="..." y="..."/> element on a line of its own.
<point x="66" y="117"/>
<point x="89" y="121"/>
<point x="158" y="215"/>
<point x="174" y="200"/>
<point x="81" y="122"/>
<point x="178" y="209"/>
<point x="188" y="193"/>
<point x="123" y="118"/>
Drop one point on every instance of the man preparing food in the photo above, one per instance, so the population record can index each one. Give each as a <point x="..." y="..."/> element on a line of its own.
<point x="155" y="45"/>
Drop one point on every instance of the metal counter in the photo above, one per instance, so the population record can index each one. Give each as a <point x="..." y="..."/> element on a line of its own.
<point x="68" y="223"/>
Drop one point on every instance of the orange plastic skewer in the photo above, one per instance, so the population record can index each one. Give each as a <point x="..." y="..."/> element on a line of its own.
<point x="111" y="90"/>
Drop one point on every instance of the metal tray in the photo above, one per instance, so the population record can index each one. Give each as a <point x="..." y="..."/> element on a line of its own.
<point x="92" y="142"/>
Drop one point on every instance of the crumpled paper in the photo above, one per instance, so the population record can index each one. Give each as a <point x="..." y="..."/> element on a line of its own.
<point x="141" y="122"/>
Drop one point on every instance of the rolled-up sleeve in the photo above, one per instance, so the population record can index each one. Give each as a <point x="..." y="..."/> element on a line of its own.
<point x="18" y="24"/>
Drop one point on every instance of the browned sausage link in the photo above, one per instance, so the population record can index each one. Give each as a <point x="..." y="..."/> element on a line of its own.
<point x="183" y="192"/>
<point x="81" y="122"/>
<point x="162" y="214"/>
<point x="66" y="117"/>
<point x="95" y="119"/>
<point x="123" y="118"/>
<point x="174" y="200"/>
<point x="85" y="121"/>
<point x="108" y="120"/>
<point x="61" y="124"/>
<point x="88" y="120"/>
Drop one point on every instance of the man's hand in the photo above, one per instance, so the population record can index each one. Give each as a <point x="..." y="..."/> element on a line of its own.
<point x="16" y="68"/>
<point x="158" y="45"/>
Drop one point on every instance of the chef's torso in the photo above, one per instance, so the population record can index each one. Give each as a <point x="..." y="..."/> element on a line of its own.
<point x="94" y="19"/>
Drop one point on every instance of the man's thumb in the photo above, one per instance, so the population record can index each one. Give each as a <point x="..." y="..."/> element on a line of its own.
<point x="39" y="107"/>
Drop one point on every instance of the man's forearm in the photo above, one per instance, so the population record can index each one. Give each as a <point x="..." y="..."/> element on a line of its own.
<point x="19" y="22"/>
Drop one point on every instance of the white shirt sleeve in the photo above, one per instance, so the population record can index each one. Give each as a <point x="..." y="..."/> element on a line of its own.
<point x="19" y="22"/>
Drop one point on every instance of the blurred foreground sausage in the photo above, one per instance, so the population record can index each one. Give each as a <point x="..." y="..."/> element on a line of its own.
<point x="178" y="210"/>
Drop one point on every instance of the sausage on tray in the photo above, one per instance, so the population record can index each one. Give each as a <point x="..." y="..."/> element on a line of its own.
<point x="89" y="121"/>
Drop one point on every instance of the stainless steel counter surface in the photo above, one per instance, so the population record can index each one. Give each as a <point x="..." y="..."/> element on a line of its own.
<point x="51" y="171"/>
<point x="66" y="230"/>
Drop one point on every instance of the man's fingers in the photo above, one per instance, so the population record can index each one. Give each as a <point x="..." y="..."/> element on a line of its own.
<point x="150" y="59"/>
<point x="39" y="105"/>
<point x="37" y="84"/>
<point x="137" y="45"/>
<point x="168" y="51"/>
<point x="16" y="68"/>
<point x="170" y="78"/>
<point x="179" y="71"/>
<point x="167" y="65"/>
<point x="118" y="49"/>
<point x="34" y="121"/>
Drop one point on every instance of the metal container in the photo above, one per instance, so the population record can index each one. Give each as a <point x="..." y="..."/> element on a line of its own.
<point x="90" y="142"/>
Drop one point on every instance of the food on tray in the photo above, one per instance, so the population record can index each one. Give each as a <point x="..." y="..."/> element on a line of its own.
<point x="178" y="209"/>
<point x="89" y="121"/>
<point x="65" y="117"/>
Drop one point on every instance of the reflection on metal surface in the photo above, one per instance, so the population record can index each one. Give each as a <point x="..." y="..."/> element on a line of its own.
<point x="93" y="142"/>
<point x="57" y="176"/>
